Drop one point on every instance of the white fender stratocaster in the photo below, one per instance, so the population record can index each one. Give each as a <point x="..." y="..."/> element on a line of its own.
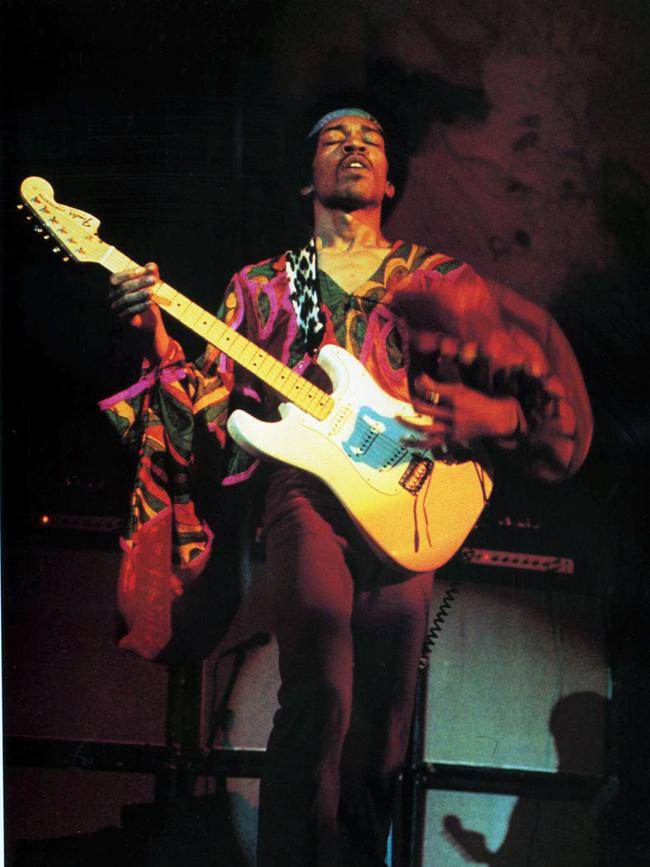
<point x="415" y="509"/>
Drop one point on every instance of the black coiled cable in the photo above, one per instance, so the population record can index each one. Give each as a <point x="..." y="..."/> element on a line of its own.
<point x="436" y="626"/>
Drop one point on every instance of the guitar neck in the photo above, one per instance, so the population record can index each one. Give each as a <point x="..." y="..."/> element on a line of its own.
<point x="243" y="351"/>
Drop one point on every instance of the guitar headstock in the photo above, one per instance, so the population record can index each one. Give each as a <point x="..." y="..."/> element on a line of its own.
<point x="74" y="230"/>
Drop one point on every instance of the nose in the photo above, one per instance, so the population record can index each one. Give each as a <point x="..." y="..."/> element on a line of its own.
<point x="353" y="146"/>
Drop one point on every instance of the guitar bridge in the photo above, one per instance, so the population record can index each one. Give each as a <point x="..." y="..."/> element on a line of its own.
<point x="416" y="474"/>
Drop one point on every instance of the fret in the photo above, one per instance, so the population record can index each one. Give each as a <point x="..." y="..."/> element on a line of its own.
<point x="278" y="380"/>
<point x="192" y="314"/>
<point x="118" y="261"/>
<point x="258" y="364"/>
<point x="274" y="367"/>
<point x="246" y="355"/>
<point x="180" y="304"/>
<point x="207" y="322"/>
<point x="313" y="397"/>
<point x="313" y="400"/>
<point x="275" y="375"/>
<point x="325" y="407"/>
<point x="230" y="343"/>
<point x="281" y="378"/>
<point x="213" y="333"/>
<point x="290" y="383"/>
<point x="165" y="296"/>
<point x="302" y="395"/>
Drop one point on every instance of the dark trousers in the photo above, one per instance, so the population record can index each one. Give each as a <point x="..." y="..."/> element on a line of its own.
<point x="350" y="632"/>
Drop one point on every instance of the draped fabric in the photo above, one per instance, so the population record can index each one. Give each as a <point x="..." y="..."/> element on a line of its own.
<point x="418" y="307"/>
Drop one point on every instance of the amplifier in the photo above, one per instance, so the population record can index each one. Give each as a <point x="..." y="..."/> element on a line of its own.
<point x="513" y="724"/>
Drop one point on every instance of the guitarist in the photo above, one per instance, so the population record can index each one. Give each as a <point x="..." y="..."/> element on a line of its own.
<point x="350" y="630"/>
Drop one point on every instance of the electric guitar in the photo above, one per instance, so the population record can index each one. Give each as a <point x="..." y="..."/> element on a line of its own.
<point x="414" y="507"/>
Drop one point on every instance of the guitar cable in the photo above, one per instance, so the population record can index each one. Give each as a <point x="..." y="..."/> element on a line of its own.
<point x="437" y="624"/>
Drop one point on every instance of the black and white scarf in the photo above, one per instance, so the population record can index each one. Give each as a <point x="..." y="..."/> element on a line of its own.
<point x="304" y="292"/>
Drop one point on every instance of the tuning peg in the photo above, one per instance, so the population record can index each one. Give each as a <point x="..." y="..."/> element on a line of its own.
<point x="20" y="207"/>
<point x="29" y="218"/>
<point x="46" y="237"/>
<point x="66" y="259"/>
<point x="38" y="230"/>
<point x="56" y="249"/>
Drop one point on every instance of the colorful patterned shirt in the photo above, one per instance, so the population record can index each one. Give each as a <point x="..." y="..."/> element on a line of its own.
<point x="484" y="335"/>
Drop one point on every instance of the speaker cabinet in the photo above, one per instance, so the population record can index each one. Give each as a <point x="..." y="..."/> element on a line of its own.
<point x="518" y="678"/>
<point x="517" y="681"/>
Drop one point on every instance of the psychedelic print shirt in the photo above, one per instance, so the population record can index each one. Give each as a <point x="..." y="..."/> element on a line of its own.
<point x="485" y="335"/>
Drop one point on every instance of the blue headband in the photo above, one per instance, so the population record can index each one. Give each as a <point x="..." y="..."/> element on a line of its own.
<point x="340" y="112"/>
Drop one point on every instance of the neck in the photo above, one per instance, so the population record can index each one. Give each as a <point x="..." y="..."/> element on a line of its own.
<point x="343" y="230"/>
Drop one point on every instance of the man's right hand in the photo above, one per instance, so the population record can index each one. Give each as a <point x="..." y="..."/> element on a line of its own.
<point x="131" y="301"/>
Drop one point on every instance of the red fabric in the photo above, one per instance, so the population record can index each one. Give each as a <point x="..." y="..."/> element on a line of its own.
<point x="147" y="588"/>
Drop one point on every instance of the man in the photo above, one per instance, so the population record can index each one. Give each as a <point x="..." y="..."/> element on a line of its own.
<point x="349" y="629"/>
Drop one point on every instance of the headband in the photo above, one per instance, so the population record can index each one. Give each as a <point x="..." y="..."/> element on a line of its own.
<point x="340" y="112"/>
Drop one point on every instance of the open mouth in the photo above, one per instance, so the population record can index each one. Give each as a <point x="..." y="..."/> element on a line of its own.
<point x="354" y="164"/>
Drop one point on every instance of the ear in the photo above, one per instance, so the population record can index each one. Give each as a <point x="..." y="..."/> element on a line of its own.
<point x="307" y="190"/>
<point x="390" y="190"/>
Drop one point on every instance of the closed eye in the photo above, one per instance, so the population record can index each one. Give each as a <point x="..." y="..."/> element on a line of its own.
<point x="335" y="135"/>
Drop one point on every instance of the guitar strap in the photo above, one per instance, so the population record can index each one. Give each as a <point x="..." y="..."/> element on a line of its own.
<point x="304" y="292"/>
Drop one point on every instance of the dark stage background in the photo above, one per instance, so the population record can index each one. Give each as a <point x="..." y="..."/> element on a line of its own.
<point x="528" y="126"/>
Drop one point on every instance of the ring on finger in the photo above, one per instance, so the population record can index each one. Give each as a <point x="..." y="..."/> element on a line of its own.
<point x="433" y="397"/>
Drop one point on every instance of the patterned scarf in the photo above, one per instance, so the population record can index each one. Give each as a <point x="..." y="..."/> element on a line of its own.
<point x="302" y="273"/>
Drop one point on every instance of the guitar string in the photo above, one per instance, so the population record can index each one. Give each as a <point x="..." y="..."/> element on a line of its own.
<point x="308" y="392"/>
<point x="390" y="450"/>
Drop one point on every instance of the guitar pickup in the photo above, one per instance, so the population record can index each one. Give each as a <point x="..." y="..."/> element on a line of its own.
<point x="416" y="474"/>
<point x="339" y="420"/>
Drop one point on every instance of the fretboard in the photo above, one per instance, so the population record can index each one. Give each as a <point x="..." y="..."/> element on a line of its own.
<point x="243" y="351"/>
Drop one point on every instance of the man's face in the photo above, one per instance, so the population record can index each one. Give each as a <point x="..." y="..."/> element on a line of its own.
<point x="350" y="169"/>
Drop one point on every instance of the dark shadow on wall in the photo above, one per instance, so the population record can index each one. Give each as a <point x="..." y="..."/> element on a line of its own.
<point x="560" y="833"/>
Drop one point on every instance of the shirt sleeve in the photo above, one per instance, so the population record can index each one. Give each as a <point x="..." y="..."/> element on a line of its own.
<point x="182" y="390"/>
<point x="498" y="342"/>
<point x="158" y="418"/>
<point x="166" y="542"/>
<point x="555" y="439"/>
